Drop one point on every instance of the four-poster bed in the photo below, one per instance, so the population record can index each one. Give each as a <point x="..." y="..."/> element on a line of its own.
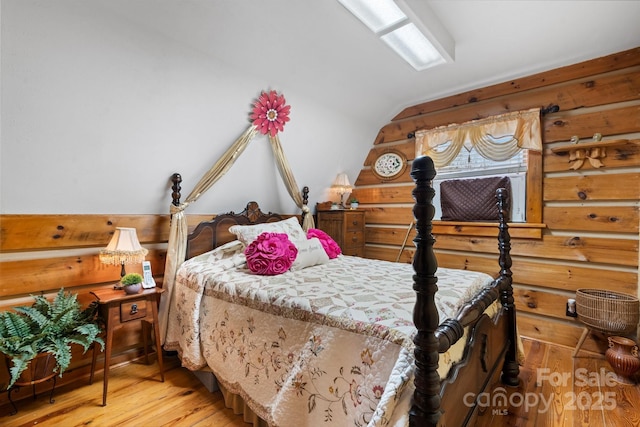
<point x="345" y="354"/>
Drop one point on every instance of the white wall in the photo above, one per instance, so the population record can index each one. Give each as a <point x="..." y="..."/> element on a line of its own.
<point x="97" y="113"/>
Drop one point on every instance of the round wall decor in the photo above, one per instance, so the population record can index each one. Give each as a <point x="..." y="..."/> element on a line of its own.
<point x="389" y="165"/>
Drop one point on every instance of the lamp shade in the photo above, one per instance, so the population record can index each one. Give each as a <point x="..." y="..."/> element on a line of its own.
<point x="341" y="183"/>
<point x="124" y="248"/>
<point x="342" y="186"/>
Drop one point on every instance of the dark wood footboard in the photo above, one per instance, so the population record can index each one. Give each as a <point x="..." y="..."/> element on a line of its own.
<point x="434" y="338"/>
<point x="480" y="368"/>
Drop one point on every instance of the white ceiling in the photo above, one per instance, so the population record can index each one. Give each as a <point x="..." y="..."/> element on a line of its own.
<point x="317" y="48"/>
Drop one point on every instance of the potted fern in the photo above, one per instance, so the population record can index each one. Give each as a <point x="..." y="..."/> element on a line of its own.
<point x="47" y="327"/>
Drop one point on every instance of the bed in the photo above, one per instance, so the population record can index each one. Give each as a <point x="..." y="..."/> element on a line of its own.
<point x="349" y="341"/>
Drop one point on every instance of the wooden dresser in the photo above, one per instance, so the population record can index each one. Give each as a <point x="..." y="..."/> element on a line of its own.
<point x="346" y="227"/>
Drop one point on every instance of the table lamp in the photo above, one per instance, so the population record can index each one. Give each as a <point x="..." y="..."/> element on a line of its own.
<point x="342" y="186"/>
<point x="124" y="248"/>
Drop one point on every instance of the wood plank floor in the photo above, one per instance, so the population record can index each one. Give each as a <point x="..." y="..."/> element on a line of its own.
<point x="138" y="398"/>
<point x="558" y="390"/>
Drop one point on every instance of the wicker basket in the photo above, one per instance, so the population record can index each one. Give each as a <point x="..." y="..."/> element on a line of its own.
<point x="610" y="312"/>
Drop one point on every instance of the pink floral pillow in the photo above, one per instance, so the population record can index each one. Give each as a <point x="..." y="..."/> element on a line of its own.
<point x="270" y="254"/>
<point x="330" y="246"/>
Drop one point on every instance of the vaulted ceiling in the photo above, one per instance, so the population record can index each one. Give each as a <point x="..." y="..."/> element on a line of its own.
<point x="318" y="48"/>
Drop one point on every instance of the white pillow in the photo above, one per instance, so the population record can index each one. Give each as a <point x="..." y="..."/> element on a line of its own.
<point x="290" y="226"/>
<point x="310" y="253"/>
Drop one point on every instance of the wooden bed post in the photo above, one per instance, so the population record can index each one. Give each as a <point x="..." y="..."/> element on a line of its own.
<point x="305" y="201"/>
<point x="425" y="409"/>
<point x="510" y="369"/>
<point x="176" y="179"/>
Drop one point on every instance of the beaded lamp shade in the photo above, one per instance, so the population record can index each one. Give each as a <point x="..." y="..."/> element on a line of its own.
<point x="124" y="248"/>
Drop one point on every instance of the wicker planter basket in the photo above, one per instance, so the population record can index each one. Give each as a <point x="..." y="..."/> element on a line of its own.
<point x="609" y="312"/>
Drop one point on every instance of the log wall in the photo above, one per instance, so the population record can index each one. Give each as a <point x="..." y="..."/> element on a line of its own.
<point x="583" y="229"/>
<point x="39" y="254"/>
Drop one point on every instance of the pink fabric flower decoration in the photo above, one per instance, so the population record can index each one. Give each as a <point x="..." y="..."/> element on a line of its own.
<point x="270" y="113"/>
<point x="330" y="246"/>
<point x="270" y="254"/>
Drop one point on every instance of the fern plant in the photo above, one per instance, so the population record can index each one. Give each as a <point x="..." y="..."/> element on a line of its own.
<point x="47" y="327"/>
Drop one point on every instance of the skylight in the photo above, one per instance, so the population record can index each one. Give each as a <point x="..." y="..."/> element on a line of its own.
<point x="413" y="47"/>
<point x="400" y="28"/>
<point x="377" y="15"/>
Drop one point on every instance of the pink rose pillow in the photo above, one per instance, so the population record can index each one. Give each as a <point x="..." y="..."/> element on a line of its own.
<point x="330" y="246"/>
<point x="270" y="254"/>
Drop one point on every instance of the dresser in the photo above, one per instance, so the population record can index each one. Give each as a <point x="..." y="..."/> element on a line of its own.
<point x="346" y="227"/>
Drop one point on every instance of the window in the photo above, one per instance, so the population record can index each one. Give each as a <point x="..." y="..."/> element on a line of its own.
<point x="470" y="164"/>
<point x="507" y="145"/>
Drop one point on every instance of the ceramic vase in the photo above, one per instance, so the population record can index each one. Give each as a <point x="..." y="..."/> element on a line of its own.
<point x="622" y="355"/>
<point x="133" y="289"/>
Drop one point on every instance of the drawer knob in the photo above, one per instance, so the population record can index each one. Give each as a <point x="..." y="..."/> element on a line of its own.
<point x="134" y="308"/>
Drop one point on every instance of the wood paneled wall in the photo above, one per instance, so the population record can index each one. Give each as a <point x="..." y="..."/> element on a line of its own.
<point x="40" y="254"/>
<point x="588" y="231"/>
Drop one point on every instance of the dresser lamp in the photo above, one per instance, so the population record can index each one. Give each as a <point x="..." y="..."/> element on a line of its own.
<point x="124" y="248"/>
<point x="342" y="186"/>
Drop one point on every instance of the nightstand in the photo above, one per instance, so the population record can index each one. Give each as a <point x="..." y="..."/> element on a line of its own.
<point x="117" y="309"/>
<point x="346" y="227"/>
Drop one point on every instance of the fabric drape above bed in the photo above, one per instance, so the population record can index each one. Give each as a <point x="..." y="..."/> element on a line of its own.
<point x="176" y="249"/>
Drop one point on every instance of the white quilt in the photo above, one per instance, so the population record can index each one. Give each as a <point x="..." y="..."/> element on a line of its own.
<point x="329" y="345"/>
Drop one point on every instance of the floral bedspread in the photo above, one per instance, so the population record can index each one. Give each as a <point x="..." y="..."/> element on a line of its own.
<point x="327" y="345"/>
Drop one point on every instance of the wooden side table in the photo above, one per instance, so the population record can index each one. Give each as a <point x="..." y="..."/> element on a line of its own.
<point x="116" y="309"/>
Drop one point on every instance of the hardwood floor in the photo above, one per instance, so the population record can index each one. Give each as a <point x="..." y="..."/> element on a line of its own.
<point x="558" y="390"/>
<point x="138" y="398"/>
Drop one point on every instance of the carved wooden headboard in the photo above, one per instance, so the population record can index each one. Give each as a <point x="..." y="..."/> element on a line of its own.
<point x="211" y="234"/>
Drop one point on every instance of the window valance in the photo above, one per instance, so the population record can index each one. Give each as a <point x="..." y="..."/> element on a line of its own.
<point x="497" y="138"/>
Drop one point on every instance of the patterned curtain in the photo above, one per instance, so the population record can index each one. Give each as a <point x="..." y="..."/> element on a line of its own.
<point x="497" y="138"/>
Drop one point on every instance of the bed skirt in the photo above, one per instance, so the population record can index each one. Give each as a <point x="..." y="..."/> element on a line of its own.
<point x="237" y="404"/>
